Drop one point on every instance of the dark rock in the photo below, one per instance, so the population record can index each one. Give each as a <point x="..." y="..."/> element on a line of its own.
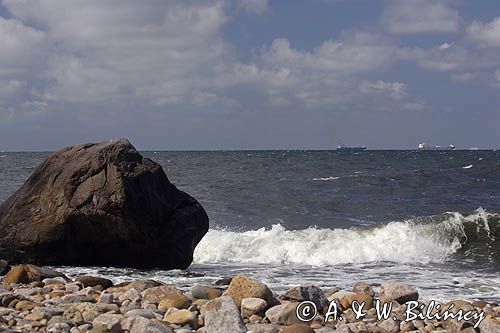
<point x="4" y="267"/>
<point x="101" y="204"/>
<point x="92" y="281"/>
<point x="307" y="292"/>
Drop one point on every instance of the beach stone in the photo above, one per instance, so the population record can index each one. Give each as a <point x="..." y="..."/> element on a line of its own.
<point x="72" y="298"/>
<point x="109" y="320"/>
<point x="101" y="204"/>
<point x="347" y="301"/>
<point x="390" y="325"/>
<point x="252" y="306"/>
<point x="397" y="291"/>
<point x="4" y="267"/>
<point x="92" y="281"/>
<point x="106" y="298"/>
<point x="140" y="313"/>
<point x="26" y="274"/>
<point x="202" y="292"/>
<point x="174" y="300"/>
<point x="307" y="292"/>
<point x="453" y="307"/>
<point x="363" y="288"/>
<point x="283" y="314"/>
<point x="222" y="316"/>
<point x="132" y="295"/>
<point x="297" y="328"/>
<point x="143" y="325"/>
<point x="157" y="294"/>
<point x="58" y="328"/>
<point x="35" y="316"/>
<point x="244" y="287"/>
<point x="181" y="317"/>
<point x="26" y="305"/>
<point x="141" y="285"/>
<point x="489" y="325"/>
<point x="339" y="294"/>
<point x="80" y="313"/>
<point x="224" y="281"/>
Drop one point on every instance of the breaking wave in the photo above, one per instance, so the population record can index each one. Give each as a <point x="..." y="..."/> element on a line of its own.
<point x="419" y="240"/>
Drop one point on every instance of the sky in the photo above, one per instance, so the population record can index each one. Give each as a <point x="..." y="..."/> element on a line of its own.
<point x="249" y="74"/>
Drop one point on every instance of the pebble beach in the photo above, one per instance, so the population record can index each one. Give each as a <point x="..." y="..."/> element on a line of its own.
<point x="37" y="299"/>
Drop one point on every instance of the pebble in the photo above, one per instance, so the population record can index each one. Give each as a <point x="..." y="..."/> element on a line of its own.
<point x="56" y="304"/>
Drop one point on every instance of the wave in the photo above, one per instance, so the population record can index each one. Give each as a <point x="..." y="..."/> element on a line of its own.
<point x="421" y="240"/>
<point x="326" y="178"/>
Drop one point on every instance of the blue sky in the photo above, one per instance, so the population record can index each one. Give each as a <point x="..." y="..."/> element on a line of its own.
<point x="250" y="74"/>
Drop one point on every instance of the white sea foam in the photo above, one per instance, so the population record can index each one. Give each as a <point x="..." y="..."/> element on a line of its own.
<point x="326" y="178"/>
<point x="401" y="242"/>
<point x="467" y="166"/>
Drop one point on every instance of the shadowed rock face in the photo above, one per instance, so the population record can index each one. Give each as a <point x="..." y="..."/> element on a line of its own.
<point x="101" y="204"/>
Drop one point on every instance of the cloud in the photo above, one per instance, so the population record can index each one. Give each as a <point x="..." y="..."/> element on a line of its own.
<point x="104" y="59"/>
<point x="497" y="75"/>
<point x="420" y="16"/>
<point x="463" y="77"/>
<point x="485" y="34"/>
<point x="147" y="51"/>
<point x="21" y="46"/>
<point x="396" y="90"/>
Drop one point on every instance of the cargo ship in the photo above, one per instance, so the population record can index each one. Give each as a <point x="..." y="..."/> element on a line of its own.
<point x="349" y="148"/>
<point x="425" y="146"/>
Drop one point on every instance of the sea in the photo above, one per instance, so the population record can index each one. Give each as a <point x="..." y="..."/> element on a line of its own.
<point x="331" y="218"/>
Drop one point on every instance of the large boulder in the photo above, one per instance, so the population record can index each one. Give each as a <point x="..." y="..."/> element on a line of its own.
<point x="101" y="204"/>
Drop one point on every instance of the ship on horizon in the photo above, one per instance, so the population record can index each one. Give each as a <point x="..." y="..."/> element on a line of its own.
<point x="350" y="148"/>
<point x="425" y="146"/>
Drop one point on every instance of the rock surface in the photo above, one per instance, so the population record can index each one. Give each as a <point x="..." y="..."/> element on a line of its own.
<point x="397" y="291"/>
<point x="222" y="316"/>
<point x="101" y="204"/>
<point x="30" y="273"/>
<point x="4" y="267"/>
<point x="242" y="287"/>
<point x="307" y="292"/>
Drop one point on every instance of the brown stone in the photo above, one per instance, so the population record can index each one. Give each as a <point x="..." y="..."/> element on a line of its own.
<point x="93" y="281"/>
<point x="244" y="287"/>
<point x="26" y="274"/>
<point x="156" y="294"/>
<point x="174" y="300"/>
<point x="346" y="302"/>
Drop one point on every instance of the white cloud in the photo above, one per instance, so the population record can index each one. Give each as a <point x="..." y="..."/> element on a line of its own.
<point x="420" y="16"/>
<point x="485" y="34"/>
<point x="396" y="90"/>
<point x="254" y="6"/>
<point x="20" y="46"/>
<point x="352" y="53"/>
<point x="497" y="75"/>
<point x="463" y="77"/>
<point x="160" y="54"/>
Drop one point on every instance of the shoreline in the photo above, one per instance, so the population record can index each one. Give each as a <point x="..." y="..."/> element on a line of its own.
<point x="37" y="299"/>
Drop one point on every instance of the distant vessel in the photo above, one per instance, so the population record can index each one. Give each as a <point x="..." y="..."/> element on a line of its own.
<point x="344" y="147"/>
<point x="425" y="146"/>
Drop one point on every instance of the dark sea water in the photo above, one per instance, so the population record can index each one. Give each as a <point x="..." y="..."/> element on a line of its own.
<point x="431" y="218"/>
